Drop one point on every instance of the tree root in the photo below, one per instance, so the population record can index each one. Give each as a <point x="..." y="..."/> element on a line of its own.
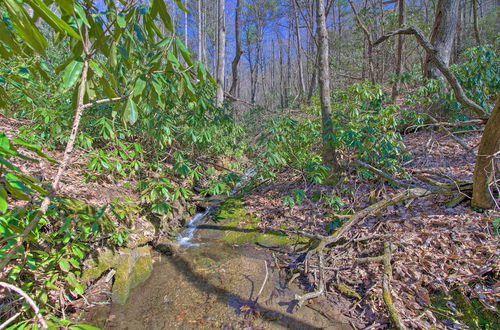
<point x="303" y="299"/>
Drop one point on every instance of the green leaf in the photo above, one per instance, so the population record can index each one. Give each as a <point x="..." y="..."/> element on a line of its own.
<point x="64" y="265"/>
<point x="66" y="7"/>
<point x="3" y="200"/>
<point x="24" y="27"/>
<point x="181" y="6"/>
<point x="140" y="84"/>
<point x="130" y="113"/>
<point x="72" y="74"/>
<point x="160" y="8"/>
<point x="50" y="18"/>
<point x="81" y="13"/>
<point x="87" y="327"/>
<point x="121" y="21"/>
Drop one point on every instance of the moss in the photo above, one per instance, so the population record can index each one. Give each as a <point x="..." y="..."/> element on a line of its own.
<point x="141" y="271"/>
<point x="347" y="291"/>
<point x="468" y="311"/>
<point x="132" y="268"/>
<point x="105" y="260"/>
<point x="243" y="227"/>
<point x="121" y="286"/>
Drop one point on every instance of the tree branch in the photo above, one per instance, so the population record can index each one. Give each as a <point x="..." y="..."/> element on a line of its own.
<point x="112" y="99"/>
<point x="443" y="68"/>
<point x="28" y="300"/>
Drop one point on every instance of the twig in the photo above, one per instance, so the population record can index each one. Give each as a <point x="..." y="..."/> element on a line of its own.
<point x="108" y="100"/>
<point x="28" y="300"/>
<point x="263" y="283"/>
<point x="454" y="137"/>
<point x="9" y="321"/>
<point x="302" y="299"/>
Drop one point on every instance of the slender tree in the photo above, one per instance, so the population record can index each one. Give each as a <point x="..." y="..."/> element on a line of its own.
<point x="239" y="52"/>
<point x="329" y="153"/>
<point x="399" y="55"/>
<point x="476" y="23"/>
<point x="221" y="50"/>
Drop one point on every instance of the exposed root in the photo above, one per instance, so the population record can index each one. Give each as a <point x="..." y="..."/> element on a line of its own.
<point x="303" y="299"/>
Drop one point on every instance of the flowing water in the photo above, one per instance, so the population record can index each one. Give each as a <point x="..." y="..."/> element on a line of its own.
<point x="212" y="284"/>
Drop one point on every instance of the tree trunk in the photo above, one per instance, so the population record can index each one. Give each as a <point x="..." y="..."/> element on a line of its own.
<point x="186" y="25"/>
<point x="399" y="60"/>
<point x="221" y="49"/>
<point x="443" y="34"/>
<point x="369" y="39"/>
<point x="239" y="52"/>
<point x="302" y="86"/>
<point x="476" y="24"/>
<point x="329" y="153"/>
<point x="200" y="33"/>
<point x="486" y="163"/>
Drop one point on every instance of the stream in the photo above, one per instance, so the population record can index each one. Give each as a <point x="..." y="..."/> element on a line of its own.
<point x="213" y="284"/>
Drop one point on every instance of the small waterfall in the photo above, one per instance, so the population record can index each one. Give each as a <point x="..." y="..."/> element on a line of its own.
<point x="185" y="237"/>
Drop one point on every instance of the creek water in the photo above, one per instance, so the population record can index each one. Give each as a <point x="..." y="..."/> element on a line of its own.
<point x="212" y="284"/>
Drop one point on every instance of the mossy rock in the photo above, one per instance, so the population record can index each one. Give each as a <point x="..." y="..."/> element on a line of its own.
<point x="132" y="266"/>
<point x="242" y="227"/>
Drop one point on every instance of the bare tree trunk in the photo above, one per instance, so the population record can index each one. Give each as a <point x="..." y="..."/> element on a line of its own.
<point x="399" y="60"/>
<point x="487" y="161"/>
<point x="200" y="33"/>
<point x="239" y="52"/>
<point x="443" y="34"/>
<point x="369" y="39"/>
<point x="329" y="153"/>
<point x="221" y="50"/>
<point x="476" y="24"/>
<point x="186" y="25"/>
<point x="312" y="84"/>
<point x="302" y="86"/>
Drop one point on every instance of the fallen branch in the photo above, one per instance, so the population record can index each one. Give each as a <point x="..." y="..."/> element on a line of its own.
<point x="28" y="300"/>
<point x="454" y="137"/>
<point x="263" y="283"/>
<point x="235" y="99"/>
<point x="457" y="124"/>
<point x="9" y="321"/>
<point x="385" y="175"/>
<point x="386" y="289"/>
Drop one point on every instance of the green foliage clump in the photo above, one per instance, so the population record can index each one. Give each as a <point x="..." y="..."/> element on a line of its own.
<point x="364" y="125"/>
<point x="479" y="75"/>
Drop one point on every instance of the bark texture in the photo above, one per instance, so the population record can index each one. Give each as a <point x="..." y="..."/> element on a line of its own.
<point x="329" y="154"/>
<point x="443" y="34"/>
<point x="486" y="163"/>
<point x="221" y="49"/>
<point x="239" y="52"/>
<point x="399" y="54"/>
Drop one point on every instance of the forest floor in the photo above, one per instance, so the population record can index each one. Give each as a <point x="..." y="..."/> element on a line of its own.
<point x="437" y="248"/>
